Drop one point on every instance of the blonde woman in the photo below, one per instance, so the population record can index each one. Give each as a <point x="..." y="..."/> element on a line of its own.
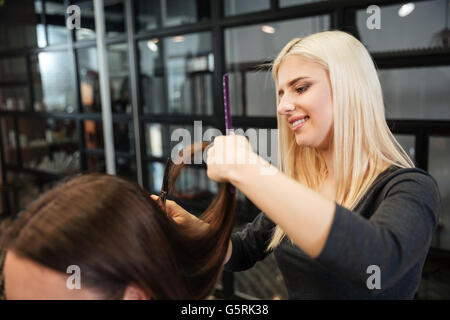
<point x="346" y="213"/>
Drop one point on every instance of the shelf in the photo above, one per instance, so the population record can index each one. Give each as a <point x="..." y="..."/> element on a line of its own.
<point x="33" y="114"/>
<point x="44" y="144"/>
<point x="45" y="175"/>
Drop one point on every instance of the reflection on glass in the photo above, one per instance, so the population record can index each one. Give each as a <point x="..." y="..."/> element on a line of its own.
<point x="40" y="28"/>
<point x="234" y="7"/>
<point x="162" y="140"/>
<point x="193" y="181"/>
<point x="155" y="174"/>
<point x="49" y="145"/>
<point x="123" y="136"/>
<point x="289" y="3"/>
<point x="408" y="32"/>
<point x="89" y="83"/>
<point x="93" y="134"/>
<point x="13" y="84"/>
<point x="14" y="98"/>
<point x="246" y="48"/>
<point x="173" y="12"/>
<point x="87" y="30"/>
<point x="184" y="84"/>
<point x="154" y="138"/>
<point x="118" y="77"/>
<point x="147" y="13"/>
<point x="57" y="31"/>
<point x="52" y="81"/>
<point x="254" y="44"/>
<point x="9" y="141"/>
<point x="438" y="167"/>
<point x="408" y="142"/>
<point x="126" y="167"/>
<point x="152" y="76"/>
<point x="95" y="163"/>
<point x="408" y="96"/>
<point x="13" y="69"/>
<point x="177" y="12"/>
<point x="259" y="98"/>
<point x="20" y="25"/>
<point x="115" y="18"/>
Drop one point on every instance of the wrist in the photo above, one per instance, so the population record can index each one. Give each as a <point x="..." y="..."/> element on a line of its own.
<point x="243" y="170"/>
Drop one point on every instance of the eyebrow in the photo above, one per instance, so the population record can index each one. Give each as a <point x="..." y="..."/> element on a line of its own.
<point x="292" y="82"/>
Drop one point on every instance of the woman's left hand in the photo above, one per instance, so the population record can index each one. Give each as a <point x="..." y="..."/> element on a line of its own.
<point x="228" y="155"/>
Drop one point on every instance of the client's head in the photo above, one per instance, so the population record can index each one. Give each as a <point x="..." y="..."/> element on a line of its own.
<point x="120" y="240"/>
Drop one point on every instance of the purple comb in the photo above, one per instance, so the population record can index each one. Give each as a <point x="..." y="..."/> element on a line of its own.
<point x="226" y="103"/>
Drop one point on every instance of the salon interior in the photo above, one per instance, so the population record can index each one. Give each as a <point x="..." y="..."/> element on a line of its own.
<point x="89" y="88"/>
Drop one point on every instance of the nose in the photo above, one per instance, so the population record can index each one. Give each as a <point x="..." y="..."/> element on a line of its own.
<point x="285" y="106"/>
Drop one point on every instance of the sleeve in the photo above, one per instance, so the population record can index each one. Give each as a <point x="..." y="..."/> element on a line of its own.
<point x="395" y="237"/>
<point x="249" y="245"/>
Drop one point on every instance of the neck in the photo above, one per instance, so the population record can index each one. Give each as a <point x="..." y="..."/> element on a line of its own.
<point x="328" y="156"/>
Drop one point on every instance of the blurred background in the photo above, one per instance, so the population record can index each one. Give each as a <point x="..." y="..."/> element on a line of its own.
<point x="166" y="59"/>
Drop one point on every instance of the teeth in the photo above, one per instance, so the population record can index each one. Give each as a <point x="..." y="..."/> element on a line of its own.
<point x="296" y="123"/>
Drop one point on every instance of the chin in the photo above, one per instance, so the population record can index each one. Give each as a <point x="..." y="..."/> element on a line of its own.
<point x="301" y="142"/>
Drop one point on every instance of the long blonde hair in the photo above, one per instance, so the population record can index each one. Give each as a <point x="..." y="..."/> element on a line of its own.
<point x="360" y="132"/>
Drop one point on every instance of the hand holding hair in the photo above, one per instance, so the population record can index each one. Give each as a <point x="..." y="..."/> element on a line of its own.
<point x="229" y="154"/>
<point x="181" y="216"/>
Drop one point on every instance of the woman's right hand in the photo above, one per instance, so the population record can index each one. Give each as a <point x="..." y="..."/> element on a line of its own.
<point x="181" y="216"/>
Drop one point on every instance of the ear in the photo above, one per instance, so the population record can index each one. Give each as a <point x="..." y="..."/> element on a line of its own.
<point x="133" y="292"/>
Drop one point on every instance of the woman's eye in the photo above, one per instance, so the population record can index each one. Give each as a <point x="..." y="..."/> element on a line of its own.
<point x="301" y="89"/>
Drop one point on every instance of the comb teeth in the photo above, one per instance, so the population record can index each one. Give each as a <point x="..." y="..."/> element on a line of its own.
<point x="226" y="100"/>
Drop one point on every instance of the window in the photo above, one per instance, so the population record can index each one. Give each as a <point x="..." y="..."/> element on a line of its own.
<point x="176" y="74"/>
<point x="408" y="142"/>
<point x="89" y="83"/>
<point x="57" y="32"/>
<point x="172" y="13"/>
<point x="416" y="93"/>
<point x="114" y="18"/>
<point x="49" y="145"/>
<point x="289" y="3"/>
<point x="14" y="93"/>
<point x="235" y="7"/>
<point x="252" y="91"/>
<point x="119" y="78"/>
<point x="87" y="30"/>
<point x="53" y="82"/>
<point x="439" y="158"/>
<point x="9" y="141"/>
<point x="123" y="136"/>
<point x="422" y="28"/>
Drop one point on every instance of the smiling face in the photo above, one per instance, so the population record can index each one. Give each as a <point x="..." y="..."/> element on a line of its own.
<point x="305" y="101"/>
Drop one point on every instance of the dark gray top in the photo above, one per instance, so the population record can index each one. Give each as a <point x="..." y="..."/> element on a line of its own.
<point x="391" y="227"/>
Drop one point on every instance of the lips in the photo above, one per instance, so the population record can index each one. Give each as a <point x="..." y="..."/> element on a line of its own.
<point x="298" y="121"/>
<point x="292" y="119"/>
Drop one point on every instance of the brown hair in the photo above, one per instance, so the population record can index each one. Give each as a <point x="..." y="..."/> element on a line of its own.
<point x="117" y="235"/>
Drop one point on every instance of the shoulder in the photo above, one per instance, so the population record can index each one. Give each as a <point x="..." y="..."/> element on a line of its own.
<point x="412" y="179"/>
<point x="412" y="188"/>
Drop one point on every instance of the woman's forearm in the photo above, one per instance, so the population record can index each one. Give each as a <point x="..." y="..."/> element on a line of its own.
<point x="305" y="215"/>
